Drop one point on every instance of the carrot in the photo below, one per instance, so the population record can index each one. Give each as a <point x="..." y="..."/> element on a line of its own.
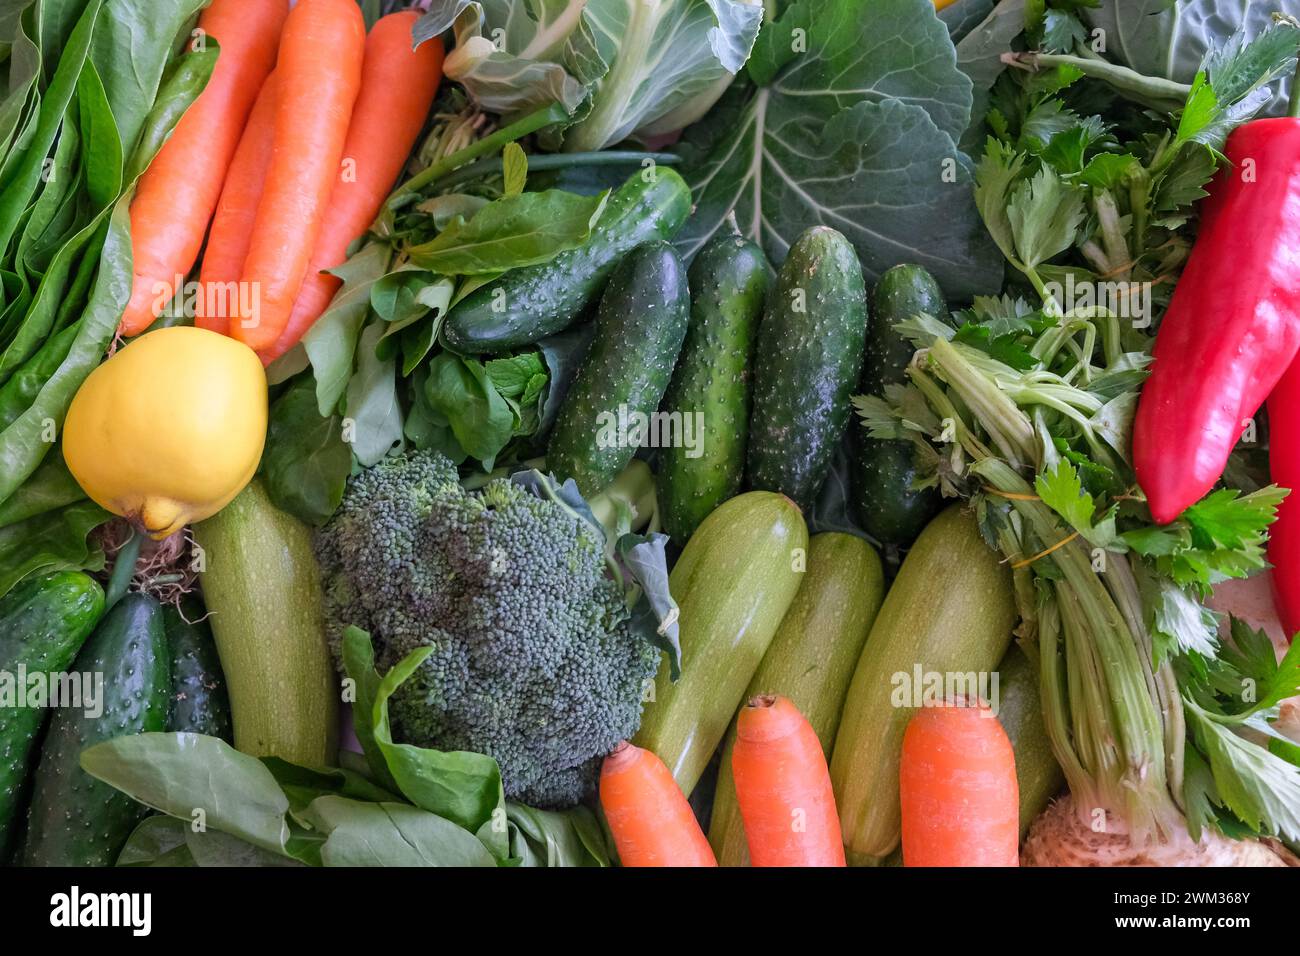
<point x="318" y="76"/>
<point x="397" y="89"/>
<point x="651" y="821"/>
<point x="783" y="787"/>
<point x="232" y="226"/>
<point x="177" y="194"/>
<point x="957" y="785"/>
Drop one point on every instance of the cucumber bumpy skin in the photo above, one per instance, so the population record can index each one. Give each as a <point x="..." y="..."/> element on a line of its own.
<point x="526" y="305"/>
<point x="76" y="820"/>
<point x="884" y="500"/>
<point x="807" y="365"/>
<point x="44" y="621"/>
<point x="640" y="327"/>
<point x="200" y="704"/>
<point x="729" y="280"/>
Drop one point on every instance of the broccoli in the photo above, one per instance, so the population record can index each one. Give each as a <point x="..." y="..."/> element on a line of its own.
<point x="535" y="660"/>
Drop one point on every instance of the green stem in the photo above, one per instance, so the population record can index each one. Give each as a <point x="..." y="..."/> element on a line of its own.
<point x="1153" y="91"/>
<point x="123" y="569"/>
<point x="555" y="113"/>
<point x="493" y="165"/>
<point x="1006" y="424"/>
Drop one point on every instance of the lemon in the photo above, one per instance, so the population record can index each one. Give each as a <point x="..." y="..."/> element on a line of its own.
<point x="169" y="429"/>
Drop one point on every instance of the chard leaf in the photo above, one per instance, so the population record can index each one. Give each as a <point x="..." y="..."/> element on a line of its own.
<point x="856" y="132"/>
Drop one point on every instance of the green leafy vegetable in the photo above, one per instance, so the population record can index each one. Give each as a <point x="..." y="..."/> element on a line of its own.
<point x="851" y="122"/>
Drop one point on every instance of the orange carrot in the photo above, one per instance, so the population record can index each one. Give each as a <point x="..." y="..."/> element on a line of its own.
<point x="232" y="226"/>
<point x="175" y="197"/>
<point x="651" y="821"/>
<point x="318" y="75"/>
<point x="957" y="785"/>
<point x="783" y="787"/>
<point x="397" y="89"/>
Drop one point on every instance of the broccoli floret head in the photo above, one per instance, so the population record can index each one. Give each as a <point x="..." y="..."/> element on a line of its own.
<point x="534" y="660"/>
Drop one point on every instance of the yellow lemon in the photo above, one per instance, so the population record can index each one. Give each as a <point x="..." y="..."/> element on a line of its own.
<point x="169" y="429"/>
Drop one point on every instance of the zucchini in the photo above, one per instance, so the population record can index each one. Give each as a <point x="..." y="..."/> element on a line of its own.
<point x="883" y="471"/>
<point x="810" y="661"/>
<point x="640" y="326"/>
<point x="76" y="820"/>
<point x="950" y="610"/>
<point x="200" y="704"/>
<point x="262" y="586"/>
<point x="1020" y="709"/>
<point x="44" y="621"/>
<point x="806" y="366"/>
<point x="733" y="583"/>
<point x="526" y="305"/>
<point x="729" y="281"/>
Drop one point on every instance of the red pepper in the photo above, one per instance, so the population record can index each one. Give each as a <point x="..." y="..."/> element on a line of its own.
<point x="1233" y="325"/>
<point x="1284" y="464"/>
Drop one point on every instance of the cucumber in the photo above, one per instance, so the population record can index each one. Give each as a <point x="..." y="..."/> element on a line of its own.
<point x="262" y="586"/>
<point x="807" y="365"/>
<point x="640" y="326"/>
<point x="200" y="704"/>
<point x="1020" y="709"/>
<point x="810" y="661"/>
<point x="76" y="820"/>
<point x="44" y="621"/>
<point x="526" y="305"/>
<point x="886" y="505"/>
<point x="733" y="583"/>
<point x="950" y="610"/>
<point x="729" y="282"/>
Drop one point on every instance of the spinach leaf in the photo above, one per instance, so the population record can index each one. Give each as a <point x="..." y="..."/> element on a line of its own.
<point x="391" y="834"/>
<point x="512" y="232"/>
<point x="461" y="786"/>
<point x="556" y="837"/>
<point x="306" y="464"/>
<point x="331" y="343"/>
<point x="857" y="132"/>
<point x="179" y="774"/>
<point x="373" y="425"/>
<point x="53" y="540"/>
<point x="133" y="42"/>
<point x="459" y="390"/>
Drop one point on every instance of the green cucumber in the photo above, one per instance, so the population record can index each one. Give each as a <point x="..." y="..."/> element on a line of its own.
<point x="810" y="661"/>
<point x="200" y="704"/>
<point x="885" y="502"/>
<point x="729" y="282"/>
<point x="807" y="365"/>
<point x="950" y="611"/>
<point x="640" y="327"/>
<point x="262" y="586"/>
<point x="526" y="305"/>
<point x="733" y="583"/>
<point x="76" y="820"/>
<point x="1020" y="709"/>
<point x="44" y="621"/>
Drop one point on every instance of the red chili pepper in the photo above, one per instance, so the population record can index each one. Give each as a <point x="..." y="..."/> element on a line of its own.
<point x="1284" y="464"/>
<point x="1233" y="325"/>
